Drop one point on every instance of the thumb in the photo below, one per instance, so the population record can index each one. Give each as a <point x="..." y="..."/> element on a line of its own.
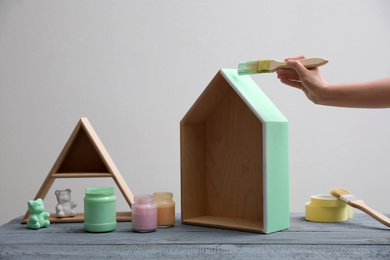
<point x="298" y="67"/>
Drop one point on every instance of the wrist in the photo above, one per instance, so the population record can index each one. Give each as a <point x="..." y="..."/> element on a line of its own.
<point x="323" y="94"/>
<point x="327" y="94"/>
<point x="333" y="94"/>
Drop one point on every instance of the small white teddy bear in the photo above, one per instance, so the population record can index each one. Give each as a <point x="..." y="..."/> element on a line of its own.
<point x="65" y="207"/>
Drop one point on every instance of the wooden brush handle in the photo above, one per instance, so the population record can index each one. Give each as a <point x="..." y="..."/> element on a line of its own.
<point x="307" y="62"/>
<point x="313" y="62"/>
<point x="359" y="204"/>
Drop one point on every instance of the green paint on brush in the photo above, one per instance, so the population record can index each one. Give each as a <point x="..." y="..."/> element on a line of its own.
<point x="253" y="67"/>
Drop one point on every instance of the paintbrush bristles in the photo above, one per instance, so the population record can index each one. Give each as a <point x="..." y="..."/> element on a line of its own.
<point x="247" y="68"/>
<point x="252" y="67"/>
<point x="338" y="192"/>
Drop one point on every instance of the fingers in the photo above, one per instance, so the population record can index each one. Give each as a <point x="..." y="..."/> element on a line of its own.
<point x="298" y="67"/>
<point x="296" y="58"/>
<point x="288" y="74"/>
<point x="296" y="75"/>
<point x="292" y="83"/>
<point x="289" y="77"/>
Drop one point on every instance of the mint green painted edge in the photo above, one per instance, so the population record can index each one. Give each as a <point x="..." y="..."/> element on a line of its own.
<point x="277" y="178"/>
<point x="254" y="97"/>
<point x="276" y="152"/>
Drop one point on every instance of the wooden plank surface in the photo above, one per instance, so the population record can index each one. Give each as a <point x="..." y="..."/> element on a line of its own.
<point x="234" y="161"/>
<point x="359" y="238"/>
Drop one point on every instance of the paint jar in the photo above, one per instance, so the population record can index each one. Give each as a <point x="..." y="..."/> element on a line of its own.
<point x="99" y="209"/>
<point x="165" y="209"/>
<point x="144" y="214"/>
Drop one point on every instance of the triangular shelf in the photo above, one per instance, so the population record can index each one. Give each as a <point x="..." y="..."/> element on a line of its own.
<point x="84" y="156"/>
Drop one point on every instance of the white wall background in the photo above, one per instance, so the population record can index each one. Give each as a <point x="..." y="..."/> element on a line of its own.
<point x="134" y="68"/>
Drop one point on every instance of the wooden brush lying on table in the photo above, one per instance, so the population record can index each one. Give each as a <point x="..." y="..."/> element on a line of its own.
<point x="355" y="202"/>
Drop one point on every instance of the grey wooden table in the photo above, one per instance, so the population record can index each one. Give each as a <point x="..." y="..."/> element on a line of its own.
<point x="359" y="238"/>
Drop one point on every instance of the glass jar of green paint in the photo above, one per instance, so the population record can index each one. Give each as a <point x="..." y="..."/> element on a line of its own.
<point x="99" y="209"/>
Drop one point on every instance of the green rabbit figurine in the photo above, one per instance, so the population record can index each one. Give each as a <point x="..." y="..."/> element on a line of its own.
<point x="37" y="217"/>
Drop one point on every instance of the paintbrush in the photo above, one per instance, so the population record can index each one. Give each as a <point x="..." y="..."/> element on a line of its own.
<point x="355" y="202"/>
<point x="267" y="66"/>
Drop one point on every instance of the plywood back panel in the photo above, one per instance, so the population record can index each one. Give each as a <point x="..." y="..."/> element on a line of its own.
<point x="207" y="101"/>
<point x="234" y="160"/>
<point x="193" y="178"/>
<point x="82" y="156"/>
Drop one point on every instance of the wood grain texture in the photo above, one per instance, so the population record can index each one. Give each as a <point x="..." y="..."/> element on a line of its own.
<point x="79" y="218"/>
<point x="83" y="156"/>
<point x="230" y="223"/>
<point x="359" y="204"/>
<point x="193" y="173"/>
<point x="222" y="161"/>
<point x="307" y="62"/>
<point x="214" y="93"/>
<point x="359" y="238"/>
<point x="234" y="161"/>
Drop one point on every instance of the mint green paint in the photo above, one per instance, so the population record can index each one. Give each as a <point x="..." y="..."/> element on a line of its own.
<point x="254" y="97"/>
<point x="243" y="68"/>
<point x="276" y="151"/>
<point x="99" y="209"/>
<point x="253" y="67"/>
<point x="277" y="179"/>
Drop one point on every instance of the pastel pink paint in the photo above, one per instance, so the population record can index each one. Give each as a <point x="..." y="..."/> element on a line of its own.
<point x="144" y="213"/>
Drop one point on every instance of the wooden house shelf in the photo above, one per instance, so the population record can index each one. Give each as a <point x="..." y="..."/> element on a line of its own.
<point x="234" y="158"/>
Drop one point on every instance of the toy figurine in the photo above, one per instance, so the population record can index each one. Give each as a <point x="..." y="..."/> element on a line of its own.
<point x="38" y="216"/>
<point x="65" y="207"/>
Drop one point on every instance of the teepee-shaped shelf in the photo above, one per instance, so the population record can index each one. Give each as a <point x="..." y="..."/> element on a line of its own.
<point x="84" y="156"/>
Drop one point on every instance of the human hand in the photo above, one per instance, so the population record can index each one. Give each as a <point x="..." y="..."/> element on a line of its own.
<point x="310" y="81"/>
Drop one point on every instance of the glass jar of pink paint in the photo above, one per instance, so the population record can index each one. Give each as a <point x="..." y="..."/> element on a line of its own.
<point x="144" y="213"/>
